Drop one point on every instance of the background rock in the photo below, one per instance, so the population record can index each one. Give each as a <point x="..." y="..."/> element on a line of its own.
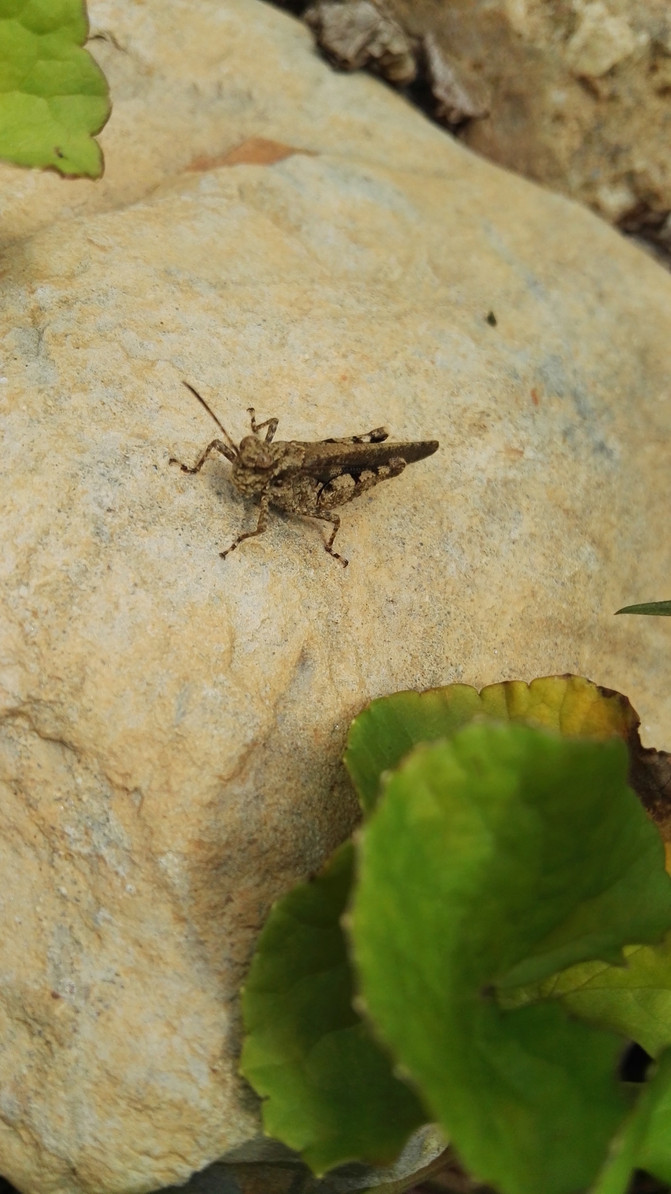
<point x="171" y="724"/>
<point x="580" y="97"/>
<point x="573" y="94"/>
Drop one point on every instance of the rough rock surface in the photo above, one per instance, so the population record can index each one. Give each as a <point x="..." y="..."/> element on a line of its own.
<point x="171" y="724"/>
<point x="578" y="94"/>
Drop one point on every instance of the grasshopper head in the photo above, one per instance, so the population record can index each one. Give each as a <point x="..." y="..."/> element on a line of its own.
<point x="254" y="454"/>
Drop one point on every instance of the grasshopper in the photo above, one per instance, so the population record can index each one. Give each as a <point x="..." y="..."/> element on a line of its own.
<point x="306" y="478"/>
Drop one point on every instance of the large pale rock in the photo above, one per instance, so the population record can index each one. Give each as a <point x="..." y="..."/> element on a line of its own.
<point x="171" y="724"/>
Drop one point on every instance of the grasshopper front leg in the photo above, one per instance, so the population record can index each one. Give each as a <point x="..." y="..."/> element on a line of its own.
<point x="260" y="526"/>
<point x="271" y="424"/>
<point x="215" y="445"/>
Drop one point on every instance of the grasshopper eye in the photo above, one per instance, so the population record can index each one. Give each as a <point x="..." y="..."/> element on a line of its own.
<point x="255" y="454"/>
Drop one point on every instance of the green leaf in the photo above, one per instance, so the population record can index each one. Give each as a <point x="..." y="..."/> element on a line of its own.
<point x="655" y="1150"/>
<point x="501" y="853"/>
<point x="328" y="1086"/>
<point x="661" y="608"/>
<point x="633" y="1000"/>
<point x="53" y="96"/>
<point x="389" y="727"/>
<point x="644" y="1138"/>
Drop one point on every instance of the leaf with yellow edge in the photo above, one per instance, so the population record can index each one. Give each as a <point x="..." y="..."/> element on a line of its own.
<point x="388" y="728"/>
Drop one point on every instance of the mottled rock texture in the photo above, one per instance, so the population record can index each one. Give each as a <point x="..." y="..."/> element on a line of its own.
<point x="577" y="93"/>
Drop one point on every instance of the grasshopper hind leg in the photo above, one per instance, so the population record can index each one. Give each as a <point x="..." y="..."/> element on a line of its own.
<point x="376" y="436"/>
<point x="334" y="519"/>
<point x="347" y="486"/>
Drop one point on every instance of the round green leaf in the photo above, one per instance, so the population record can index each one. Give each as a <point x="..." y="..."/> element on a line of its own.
<point x="654" y="1153"/>
<point x="389" y="727"/>
<point x="633" y="1000"/>
<point x="644" y="1138"/>
<point x="328" y="1086"/>
<point x="53" y="96"/>
<point x="501" y="854"/>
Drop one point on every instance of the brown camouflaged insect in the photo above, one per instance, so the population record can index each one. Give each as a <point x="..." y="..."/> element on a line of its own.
<point x="306" y="478"/>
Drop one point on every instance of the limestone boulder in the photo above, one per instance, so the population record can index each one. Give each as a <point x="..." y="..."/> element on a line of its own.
<point x="171" y="723"/>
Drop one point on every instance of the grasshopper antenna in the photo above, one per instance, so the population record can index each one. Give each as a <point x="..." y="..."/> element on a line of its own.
<point x="212" y="415"/>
